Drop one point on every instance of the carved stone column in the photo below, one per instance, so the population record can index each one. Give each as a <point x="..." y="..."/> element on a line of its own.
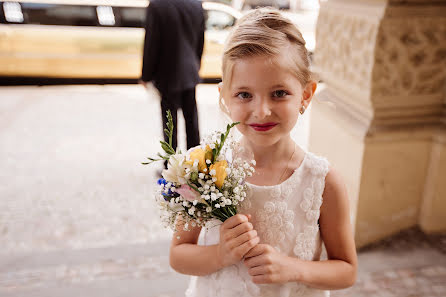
<point x="381" y="117"/>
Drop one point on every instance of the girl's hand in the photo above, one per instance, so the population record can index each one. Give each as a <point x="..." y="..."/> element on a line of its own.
<point x="266" y="265"/>
<point x="237" y="237"/>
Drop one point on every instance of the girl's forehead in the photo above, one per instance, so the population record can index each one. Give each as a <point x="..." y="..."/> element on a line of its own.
<point x="263" y="71"/>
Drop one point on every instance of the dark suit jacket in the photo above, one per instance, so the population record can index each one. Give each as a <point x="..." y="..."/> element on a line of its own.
<point x="173" y="44"/>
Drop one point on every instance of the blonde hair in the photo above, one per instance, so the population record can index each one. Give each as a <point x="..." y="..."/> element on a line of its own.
<point x="265" y="32"/>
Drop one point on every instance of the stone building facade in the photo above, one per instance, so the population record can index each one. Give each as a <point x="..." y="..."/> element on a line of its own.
<point x="381" y="117"/>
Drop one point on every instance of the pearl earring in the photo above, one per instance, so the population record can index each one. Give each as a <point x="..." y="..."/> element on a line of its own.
<point x="302" y="110"/>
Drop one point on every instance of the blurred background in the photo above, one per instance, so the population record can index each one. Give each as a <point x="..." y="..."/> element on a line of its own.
<point x="77" y="216"/>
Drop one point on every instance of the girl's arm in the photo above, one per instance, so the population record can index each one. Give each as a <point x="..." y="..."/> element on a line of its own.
<point x="268" y="266"/>
<point x="339" y="271"/>
<point x="237" y="237"/>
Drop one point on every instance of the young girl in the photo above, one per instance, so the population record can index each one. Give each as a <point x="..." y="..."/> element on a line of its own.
<point x="295" y="199"/>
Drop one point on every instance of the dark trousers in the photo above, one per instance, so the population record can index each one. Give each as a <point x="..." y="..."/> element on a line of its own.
<point x="184" y="100"/>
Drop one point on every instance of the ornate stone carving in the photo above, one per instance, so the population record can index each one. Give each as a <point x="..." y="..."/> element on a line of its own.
<point x="410" y="57"/>
<point x="344" y="47"/>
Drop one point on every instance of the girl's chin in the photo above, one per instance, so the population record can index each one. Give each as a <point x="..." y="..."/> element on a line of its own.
<point x="262" y="140"/>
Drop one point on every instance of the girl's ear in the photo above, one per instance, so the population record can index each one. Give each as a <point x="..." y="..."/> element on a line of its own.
<point x="308" y="92"/>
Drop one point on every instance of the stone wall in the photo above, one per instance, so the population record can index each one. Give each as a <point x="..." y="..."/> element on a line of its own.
<point x="384" y="68"/>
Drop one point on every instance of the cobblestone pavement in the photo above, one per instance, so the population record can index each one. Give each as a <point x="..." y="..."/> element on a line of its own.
<point x="408" y="264"/>
<point x="75" y="214"/>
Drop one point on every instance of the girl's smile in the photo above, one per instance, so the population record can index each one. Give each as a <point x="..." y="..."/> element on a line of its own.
<point x="263" y="127"/>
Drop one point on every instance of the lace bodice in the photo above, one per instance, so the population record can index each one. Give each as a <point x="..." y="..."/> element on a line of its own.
<point x="286" y="217"/>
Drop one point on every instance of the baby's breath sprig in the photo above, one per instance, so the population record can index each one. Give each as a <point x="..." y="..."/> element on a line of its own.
<point x="167" y="147"/>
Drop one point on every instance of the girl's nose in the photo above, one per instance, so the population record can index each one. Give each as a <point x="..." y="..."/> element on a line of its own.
<point x="262" y="109"/>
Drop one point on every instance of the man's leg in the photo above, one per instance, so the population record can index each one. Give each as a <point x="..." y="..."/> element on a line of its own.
<point x="189" y="108"/>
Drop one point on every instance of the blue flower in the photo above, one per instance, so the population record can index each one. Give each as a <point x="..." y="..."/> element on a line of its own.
<point x="161" y="181"/>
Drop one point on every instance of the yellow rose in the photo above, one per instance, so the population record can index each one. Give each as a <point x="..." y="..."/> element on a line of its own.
<point x="220" y="172"/>
<point x="200" y="155"/>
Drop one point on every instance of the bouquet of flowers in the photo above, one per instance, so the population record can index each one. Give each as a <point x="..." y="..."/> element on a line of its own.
<point x="204" y="183"/>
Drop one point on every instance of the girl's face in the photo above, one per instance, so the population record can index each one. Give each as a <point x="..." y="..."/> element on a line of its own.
<point x="265" y="98"/>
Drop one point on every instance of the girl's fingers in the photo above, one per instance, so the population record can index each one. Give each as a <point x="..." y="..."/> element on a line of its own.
<point x="259" y="270"/>
<point x="234" y="221"/>
<point x="244" y="248"/>
<point x="240" y="240"/>
<point x="255" y="261"/>
<point x="256" y="251"/>
<point x="239" y="230"/>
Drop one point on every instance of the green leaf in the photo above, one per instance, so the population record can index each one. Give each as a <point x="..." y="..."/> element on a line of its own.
<point x="167" y="148"/>
<point x="169" y="125"/>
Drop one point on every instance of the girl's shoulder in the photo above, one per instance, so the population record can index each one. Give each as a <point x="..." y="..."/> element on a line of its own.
<point x="315" y="165"/>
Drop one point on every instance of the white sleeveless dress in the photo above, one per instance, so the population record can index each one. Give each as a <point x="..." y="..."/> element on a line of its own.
<point x="286" y="217"/>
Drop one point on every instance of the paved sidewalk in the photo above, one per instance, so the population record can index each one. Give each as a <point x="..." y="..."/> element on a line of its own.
<point x="408" y="264"/>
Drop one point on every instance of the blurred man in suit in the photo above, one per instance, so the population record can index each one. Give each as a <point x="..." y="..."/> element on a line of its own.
<point x="173" y="47"/>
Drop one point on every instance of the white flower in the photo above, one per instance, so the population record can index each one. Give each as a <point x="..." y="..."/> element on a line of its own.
<point x="208" y="162"/>
<point x="253" y="162"/>
<point x="201" y="175"/>
<point x="217" y="205"/>
<point x="191" y="210"/>
<point x="212" y="172"/>
<point x="175" y="170"/>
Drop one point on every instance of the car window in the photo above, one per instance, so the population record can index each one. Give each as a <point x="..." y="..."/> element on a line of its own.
<point x="219" y="20"/>
<point x="106" y="17"/>
<point x="12" y="12"/>
<point x="130" y="16"/>
<point x="50" y="14"/>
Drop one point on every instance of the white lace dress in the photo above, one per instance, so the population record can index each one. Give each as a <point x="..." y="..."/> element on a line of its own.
<point x="286" y="217"/>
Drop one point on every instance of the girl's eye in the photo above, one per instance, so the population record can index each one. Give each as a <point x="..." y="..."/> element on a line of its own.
<point x="279" y="93"/>
<point x="243" y="95"/>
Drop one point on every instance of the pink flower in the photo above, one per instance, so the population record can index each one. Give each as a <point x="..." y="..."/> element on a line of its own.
<point x="188" y="193"/>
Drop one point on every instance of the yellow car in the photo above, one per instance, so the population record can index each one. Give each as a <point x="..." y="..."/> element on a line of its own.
<point x="98" y="39"/>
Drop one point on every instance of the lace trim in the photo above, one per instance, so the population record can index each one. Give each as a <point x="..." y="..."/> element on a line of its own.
<point x="275" y="221"/>
<point x="311" y="203"/>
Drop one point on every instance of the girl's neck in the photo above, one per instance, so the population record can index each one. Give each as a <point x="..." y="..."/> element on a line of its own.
<point x="275" y="154"/>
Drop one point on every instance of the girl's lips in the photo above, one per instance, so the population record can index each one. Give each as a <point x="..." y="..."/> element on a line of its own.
<point x="263" y="127"/>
